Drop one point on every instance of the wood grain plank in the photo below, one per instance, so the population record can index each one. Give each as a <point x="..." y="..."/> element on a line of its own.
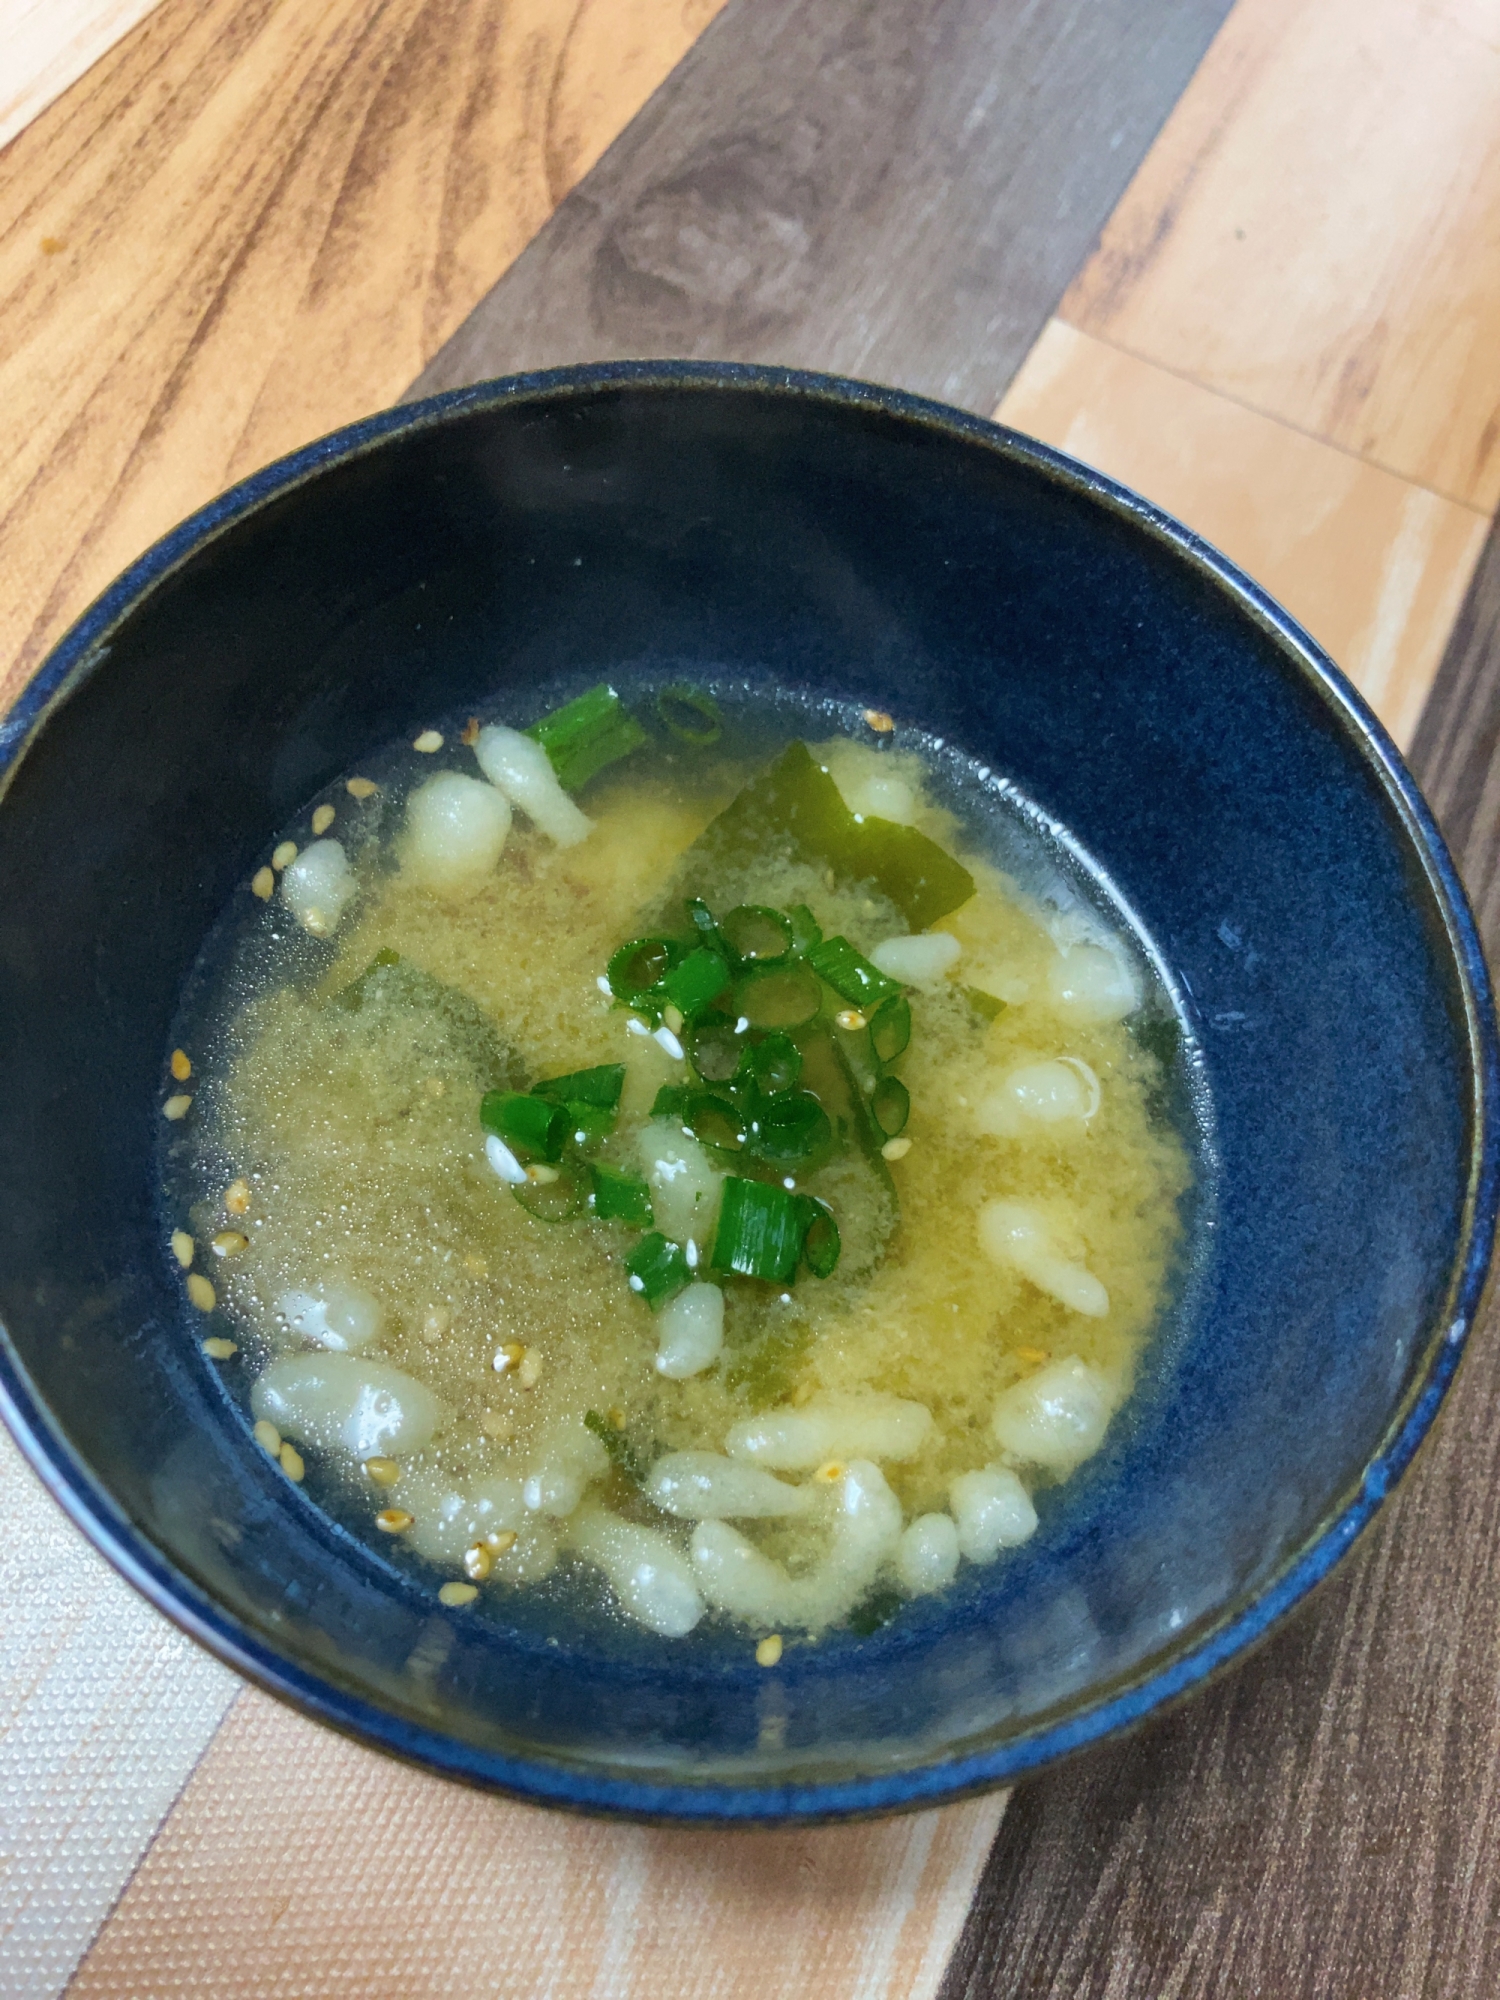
<point x="1375" y="567"/>
<point x="48" y="45"/>
<point x="1314" y="233"/>
<point x="1324" y="1824"/>
<point x="270" y="213"/>
<point x="297" y="1862"/>
<point x="878" y="187"/>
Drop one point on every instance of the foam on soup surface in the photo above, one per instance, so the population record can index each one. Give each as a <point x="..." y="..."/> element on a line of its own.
<point x="680" y="1156"/>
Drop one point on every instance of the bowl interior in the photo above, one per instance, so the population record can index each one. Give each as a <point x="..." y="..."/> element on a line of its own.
<point x="537" y="540"/>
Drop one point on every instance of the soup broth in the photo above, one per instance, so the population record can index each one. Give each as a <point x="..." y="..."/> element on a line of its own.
<point x="676" y="1151"/>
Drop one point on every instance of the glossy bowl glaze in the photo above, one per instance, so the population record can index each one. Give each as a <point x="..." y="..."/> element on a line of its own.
<point x="535" y="535"/>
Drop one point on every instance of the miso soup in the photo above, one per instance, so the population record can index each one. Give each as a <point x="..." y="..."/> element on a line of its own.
<point x="692" y="1151"/>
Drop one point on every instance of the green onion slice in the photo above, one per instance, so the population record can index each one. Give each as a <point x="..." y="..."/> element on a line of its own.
<point x="716" y="1047"/>
<point x="531" y="1127"/>
<point x="619" y="1447"/>
<point x="757" y="935"/>
<point x="672" y="1100"/>
<point x="806" y="930"/>
<point x="771" y="1065"/>
<point x="690" y="715"/>
<point x="821" y="1242"/>
<point x="557" y="1199"/>
<point x="601" y="1086"/>
<point x="585" y="735"/>
<point x="792" y="1129"/>
<point x="714" y="1121"/>
<point x="760" y="1231"/>
<point x="589" y="1123"/>
<point x="621" y="1197"/>
<point x="890" y="1028"/>
<point x="850" y="973"/>
<point x="637" y="969"/>
<point x="777" y="996"/>
<point x="658" y="1269"/>
<point x="890" y="1105"/>
<point x="696" y="981"/>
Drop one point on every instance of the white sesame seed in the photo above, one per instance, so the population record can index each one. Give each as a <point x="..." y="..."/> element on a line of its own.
<point x="427" y="742"/>
<point x="217" y="1348"/>
<point x="361" y="788"/>
<point x="201" y="1292"/>
<point x="768" y="1652"/>
<point x="263" y="884"/>
<point x="176" y="1107"/>
<point x="182" y="1247"/>
<point x="322" y="819"/>
<point x="182" y="1068"/>
<point x="454" y="1594"/>
<point x="394" y="1520"/>
<point x="284" y="856"/>
<point x="291" y="1463"/>
<point x="268" y="1437"/>
<point x="895" y="1149"/>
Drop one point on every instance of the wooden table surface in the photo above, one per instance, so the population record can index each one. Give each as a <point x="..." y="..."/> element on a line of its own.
<point x="1246" y="258"/>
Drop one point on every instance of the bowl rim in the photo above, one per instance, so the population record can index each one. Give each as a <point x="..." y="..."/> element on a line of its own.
<point x="1160" y="1681"/>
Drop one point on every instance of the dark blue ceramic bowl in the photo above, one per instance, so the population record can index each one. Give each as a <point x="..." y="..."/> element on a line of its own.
<point x="542" y="533"/>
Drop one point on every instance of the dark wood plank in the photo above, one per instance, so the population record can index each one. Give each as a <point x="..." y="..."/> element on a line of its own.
<point x="896" y="189"/>
<point x="1324" y="1824"/>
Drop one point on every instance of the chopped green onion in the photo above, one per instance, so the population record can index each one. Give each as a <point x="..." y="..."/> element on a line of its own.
<point x="585" y="735"/>
<point x="821" y="1243"/>
<point x="792" y="1129"/>
<point x="806" y="930"/>
<point x="619" y="1447"/>
<point x="690" y="715"/>
<point x="890" y="1028"/>
<point x="672" y="1099"/>
<point x="794" y="802"/>
<point x="765" y="1371"/>
<point x="776" y="996"/>
<point x="760" y="1231"/>
<point x="714" y="1121"/>
<point x="531" y="1127"/>
<point x="658" y="1269"/>
<point x="601" y="1086"/>
<point x="637" y="969"/>
<point x="772" y="1064"/>
<point x="984" y="1004"/>
<point x="716" y="1047"/>
<point x="621" y="1197"/>
<point x="699" y="979"/>
<point x="758" y="935"/>
<point x="559" y="1198"/>
<point x="890" y="1105"/>
<point x="590" y="1123"/>
<point x="850" y="973"/>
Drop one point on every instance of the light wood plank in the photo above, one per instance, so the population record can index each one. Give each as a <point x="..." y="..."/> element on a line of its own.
<point x="298" y="1862"/>
<point x="48" y="44"/>
<point x="1315" y="232"/>
<point x="104" y="1710"/>
<point x="1374" y="566"/>
<point x="271" y="216"/>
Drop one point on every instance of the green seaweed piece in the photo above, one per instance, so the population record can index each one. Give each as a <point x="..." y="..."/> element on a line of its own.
<point x="985" y="1005"/>
<point x="764" y="1370"/>
<point x="621" y="1451"/>
<point x="794" y="803"/>
<point x="392" y="980"/>
<point x="878" y="1609"/>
